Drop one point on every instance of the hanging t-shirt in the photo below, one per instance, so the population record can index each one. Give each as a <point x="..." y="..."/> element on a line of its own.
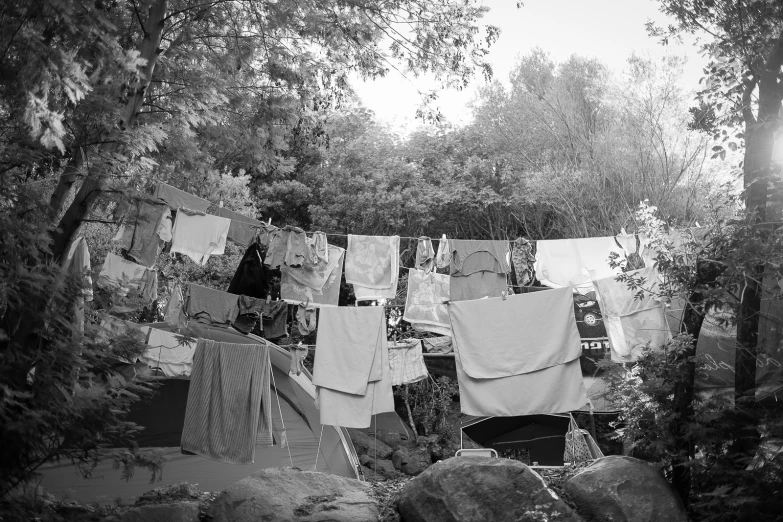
<point x="199" y="236"/>
<point x="478" y="269"/>
<point x="144" y="231"/>
<point x="211" y="306"/>
<point x="243" y="229"/>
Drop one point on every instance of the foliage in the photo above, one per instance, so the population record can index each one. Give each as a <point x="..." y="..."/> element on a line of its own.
<point x="430" y="401"/>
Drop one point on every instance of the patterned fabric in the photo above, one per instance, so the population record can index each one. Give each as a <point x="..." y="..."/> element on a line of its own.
<point x="576" y="447"/>
<point x="229" y="402"/>
<point x="295" y="282"/>
<point x="318" y="248"/>
<point x="369" y="261"/>
<point x="424" y="305"/>
<point x="366" y="293"/>
<point x="407" y="362"/>
<point x="523" y="259"/>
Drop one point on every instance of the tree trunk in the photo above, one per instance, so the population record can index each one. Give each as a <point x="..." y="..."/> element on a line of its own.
<point x="94" y="182"/>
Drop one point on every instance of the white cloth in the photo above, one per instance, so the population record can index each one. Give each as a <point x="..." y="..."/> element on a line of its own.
<point x="172" y="354"/>
<point x="372" y="266"/>
<point x="199" y="236"/>
<point x="424" y="306"/>
<point x="77" y="263"/>
<point x="351" y="368"/>
<point x="407" y="362"/>
<point x="443" y="257"/>
<point x="570" y="262"/>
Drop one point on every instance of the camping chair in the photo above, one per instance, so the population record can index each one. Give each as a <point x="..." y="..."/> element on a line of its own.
<point x="480" y="452"/>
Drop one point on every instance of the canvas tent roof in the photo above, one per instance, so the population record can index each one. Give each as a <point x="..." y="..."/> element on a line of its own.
<point x="164" y="414"/>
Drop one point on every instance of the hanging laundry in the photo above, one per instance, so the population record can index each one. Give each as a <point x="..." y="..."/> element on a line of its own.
<point x="278" y="246"/>
<point x="132" y="285"/>
<point x="424" y="307"/>
<point x="570" y="262"/>
<point x="174" y="312"/>
<point x="425" y="254"/>
<point x="351" y="368"/>
<point x="275" y="319"/>
<point x="306" y="320"/>
<point x="406" y="362"/>
<point x="632" y="324"/>
<point x="199" y="236"/>
<point x="443" y="257"/>
<point x="523" y="259"/>
<point x="478" y="269"/>
<point x="210" y="306"/>
<point x="144" y="230"/>
<point x="229" y="407"/>
<point x="298" y="354"/>
<point x="171" y="354"/>
<point x="250" y="310"/>
<point x="301" y="285"/>
<point x="176" y="198"/>
<point x="372" y="266"/>
<point x="243" y="229"/>
<point x="252" y="276"/>
<point x="77" y="265"/>
<point x="519" y="355"/>
<point x="297" y="249"/>
<point x="438" y="344"/>
<point x="318" y="248"/>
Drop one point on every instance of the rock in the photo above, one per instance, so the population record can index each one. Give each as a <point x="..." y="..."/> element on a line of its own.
<point x="277" y="494"/>
<point x="179" y="491"/>
<point x="368" y="444"/>
<point x="624" y="489"/>
<point x="466" y="489"/>
<point x="175" y="512"/>
<point x="395" y="440"/>
<point x="381" y="466"/>
<point x="412" y="462"/>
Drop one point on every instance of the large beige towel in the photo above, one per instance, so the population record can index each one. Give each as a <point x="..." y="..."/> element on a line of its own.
<point x="369" y="261"/>
<point x="229" y="407"/>
<point x="524" y="333"/>
<point x="351" y="367"/>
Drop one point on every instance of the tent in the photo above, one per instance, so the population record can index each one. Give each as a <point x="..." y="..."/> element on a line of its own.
<point x="163" y="418"/>
<point x="542" y="436"/>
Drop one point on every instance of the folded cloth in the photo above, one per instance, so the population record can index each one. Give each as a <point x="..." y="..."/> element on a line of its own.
<point x="275" y="319"/>
<point x="424" y="305"/>
<point x="478" y="269"/>
<point x="306" y="320"/>
<point x="172" y="354"/>
<point x="229" y="408"/>
<point x="496" y="337"/>
<point x="243" y="229"/>
<point x="211" y="306"/>
<point x="632" y="324"/>
<point x="365" y="293"/>
<point x="144" y="230"/>
<point x="443" y="257"/>
<point x="425" y="255"/>
<point x="298" y="354"/>
<point x="132" y="285"/>
<point x="277" y="248"/>
<point x="523" y="259"/>
<point x="369" y="261"/>
<point x="251" y="277"/>
<point x="298" y="285"/>
<point x="551" y="390"/>
<point x="199" y="236"/>
<point x="176" y="198"/>
<point x="406" y="362"/>
<point x="438" y="344"/>
<point x="351" y="368"/>
<point x="297" y="248"/>
<point x="570" y="262"/>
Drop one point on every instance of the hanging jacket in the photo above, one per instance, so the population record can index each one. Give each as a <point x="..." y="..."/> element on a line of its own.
<point x="252" y="276"/>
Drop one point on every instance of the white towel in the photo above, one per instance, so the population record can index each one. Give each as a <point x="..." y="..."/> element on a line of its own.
<point x="199" y="236"/>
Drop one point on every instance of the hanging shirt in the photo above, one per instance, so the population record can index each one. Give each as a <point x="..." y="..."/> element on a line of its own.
<point x="229" y="407"/>
<point x="275" y="319"/>
<point x="299" y="285"/>
<point x="406" y="362"/>
<point x="372" y="266"/>
<point x="252" y="276"/>
<point x="243" y="229"/>
<point x="478" y="269"/>
<point x="132" y="285"/>
<point x="351" y="368"/>
<point x="297" y="248"/>
<point x="170" y="353"/>
<point x="424" y="306"/>
<point x="199" y="236"/>
<point x="144" y="231"/>
<point x="278" y="246"/>
<point x="176" y="198"/>
<point x="518" y="356"/>
<point x="425" y="254"/>
<point x="570" y="262"/>
<point x="211" y="306"/>
<point x="632" y="324"/>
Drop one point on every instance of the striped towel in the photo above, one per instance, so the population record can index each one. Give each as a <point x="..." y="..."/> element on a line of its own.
<point x="229" y="408"/>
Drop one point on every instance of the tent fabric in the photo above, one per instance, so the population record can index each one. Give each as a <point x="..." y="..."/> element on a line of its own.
<point x="164" y="416"/>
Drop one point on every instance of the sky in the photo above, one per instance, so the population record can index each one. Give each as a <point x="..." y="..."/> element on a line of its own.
<point x="609" y="30"/>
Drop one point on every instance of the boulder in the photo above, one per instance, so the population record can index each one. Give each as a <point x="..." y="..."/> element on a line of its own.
<point x="381" y="466"/>
<point x="412" y="462"/>
<point x="277" y="494"/>
<point x="169" y="493"/>
<point x="624" y="489"/>
<point x="175" y="512"/>
<point x="369" y="445"/>
<point x="394" y="439"/>
<point x="463" y="489"/>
